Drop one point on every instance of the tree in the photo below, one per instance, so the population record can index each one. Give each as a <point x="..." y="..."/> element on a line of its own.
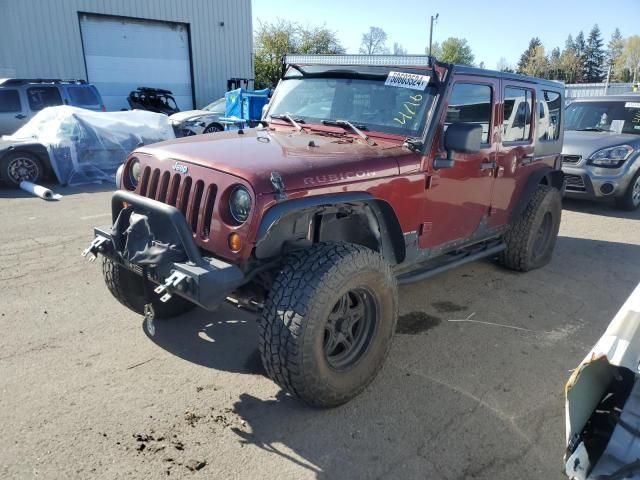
<point x="399" y="49"/>
<point x="503" y="65"/>
<point x="630" y="58"/>
<point x="555" y="65"/>
<point x="594" y="56"/>
<point x="454" y="50"/>
<point x="580" y="45"/>
<point x="318" y="40"/>
<point x="538" y="64"/>
<point x="614" y="52"/>
<point x="374" y="41"/>
<point x="273" y="40"/>
<point x="526" y="55"/>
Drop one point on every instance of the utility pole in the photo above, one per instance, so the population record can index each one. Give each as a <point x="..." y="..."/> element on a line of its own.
<point x="433" y="19"/>
<point x="606" y="85"/>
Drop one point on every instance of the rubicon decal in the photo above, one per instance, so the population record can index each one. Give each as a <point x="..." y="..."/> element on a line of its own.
<point x="334" y="177"/>
<point x="180" y="168"/>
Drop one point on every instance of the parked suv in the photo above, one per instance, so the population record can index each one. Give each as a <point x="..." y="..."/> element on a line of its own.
<point x="601" y="153"/>
<point x="22" y="98"/>
<point x="369" y="172"/>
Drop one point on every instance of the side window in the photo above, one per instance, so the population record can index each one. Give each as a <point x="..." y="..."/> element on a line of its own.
<point x="549" y="123"/>
<point x="517" y="114"/>
<point x="9" y="101"/>
<point x="470" y="103"/>
<point x="41" y="97"/>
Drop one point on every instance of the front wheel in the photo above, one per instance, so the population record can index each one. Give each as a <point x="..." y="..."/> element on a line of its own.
<point x="212" y="128"/>
<point x="128" y="288"/>
<point x="631" y="198"/>
<point x="21" y="166"/>
<point x="531" y="238"/>
<point x="328" y="322"/>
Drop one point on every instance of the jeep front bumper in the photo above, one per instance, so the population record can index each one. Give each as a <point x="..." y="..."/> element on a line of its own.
<point x="202" y="280"/>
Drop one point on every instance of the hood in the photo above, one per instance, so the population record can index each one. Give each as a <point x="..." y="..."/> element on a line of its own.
<point x="182" y="116"/>
<point x="585" y="143"/>
<point x="255" y="154"/>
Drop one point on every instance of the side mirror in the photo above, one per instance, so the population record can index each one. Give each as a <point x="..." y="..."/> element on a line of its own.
<point x="461" y="138"/>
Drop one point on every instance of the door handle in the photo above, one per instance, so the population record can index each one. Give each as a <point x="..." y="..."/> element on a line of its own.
<point x="20" y="116"/>
<point x="488" y="165"/>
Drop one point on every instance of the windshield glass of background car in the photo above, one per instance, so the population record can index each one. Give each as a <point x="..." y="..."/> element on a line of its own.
<point x="603" y="115"/>
<point x="379" y="107"/>
<point x="82" y="96"/>
<point x="216" y="107"/>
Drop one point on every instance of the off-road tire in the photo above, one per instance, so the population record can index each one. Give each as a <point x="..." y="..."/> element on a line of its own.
<point x="295" y="315"/>
<point x="33" y="161"/>
<point x="522" y="236"/>
<point x="128" y="289"/>
<point x="629" y="200"/>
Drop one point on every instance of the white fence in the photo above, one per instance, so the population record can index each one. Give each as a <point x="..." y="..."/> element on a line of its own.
<point x="574" y="90"/>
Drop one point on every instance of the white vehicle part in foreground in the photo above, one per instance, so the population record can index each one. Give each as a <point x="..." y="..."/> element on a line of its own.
<point x="39" y="191"/>
<point x="618" y="348"/>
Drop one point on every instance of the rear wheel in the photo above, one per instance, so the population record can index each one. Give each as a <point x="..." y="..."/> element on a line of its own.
<point x="328" y="322"/>
<point x="631" y="198"/>
<point x="128" y="289"/>
<point x="21" y="166"/>
<point x="532" y="237"/>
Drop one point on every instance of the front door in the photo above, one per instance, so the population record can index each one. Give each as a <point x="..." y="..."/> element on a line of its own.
<point x="459" y="198"/>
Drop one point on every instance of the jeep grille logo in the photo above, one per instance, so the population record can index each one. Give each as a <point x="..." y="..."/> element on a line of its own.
<point x="180" y="168"/>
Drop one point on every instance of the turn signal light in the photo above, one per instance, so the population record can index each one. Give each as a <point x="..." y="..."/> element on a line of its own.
<point x="235" y="244"/>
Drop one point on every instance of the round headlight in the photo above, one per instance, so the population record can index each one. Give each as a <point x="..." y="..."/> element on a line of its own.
<point x="240" y="204"/>
<point x="134" y="172"/>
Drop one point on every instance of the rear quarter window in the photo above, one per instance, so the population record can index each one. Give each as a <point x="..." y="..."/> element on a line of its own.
<point x="41" y="97"/>
<point x="82" y="96"/>
<point x="9" y="101"/>
<point x="549" y="117"/>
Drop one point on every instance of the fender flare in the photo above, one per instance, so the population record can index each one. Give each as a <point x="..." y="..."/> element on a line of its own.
<point x="289" y="221"/>
<point x="544" y="176"/>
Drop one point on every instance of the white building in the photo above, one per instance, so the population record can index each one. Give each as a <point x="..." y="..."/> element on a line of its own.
<point x="191" y="47"/>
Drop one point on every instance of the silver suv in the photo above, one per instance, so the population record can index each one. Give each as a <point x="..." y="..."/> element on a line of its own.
<point x="601" y="153"/>
<point x="22" y="98"/>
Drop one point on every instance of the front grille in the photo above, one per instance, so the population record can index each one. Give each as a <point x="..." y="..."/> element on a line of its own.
<point x="571" y="159"/>
<point x="574" y="183"/>
<point x="194" y="199"/>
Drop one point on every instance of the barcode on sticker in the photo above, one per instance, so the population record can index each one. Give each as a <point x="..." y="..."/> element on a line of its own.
<point x="407" y="80"/>
<point x="632" y="105"/>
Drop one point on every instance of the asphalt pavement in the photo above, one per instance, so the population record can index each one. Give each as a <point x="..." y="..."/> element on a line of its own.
<point x="473" y="387"/>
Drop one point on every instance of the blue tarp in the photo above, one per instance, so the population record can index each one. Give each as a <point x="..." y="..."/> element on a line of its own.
<point x="246" y="104"/>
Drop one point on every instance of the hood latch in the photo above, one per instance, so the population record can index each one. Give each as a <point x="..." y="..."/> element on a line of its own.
<point x="278" y="185"/>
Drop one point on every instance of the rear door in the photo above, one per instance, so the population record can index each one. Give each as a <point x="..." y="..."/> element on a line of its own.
<point x="459" y="198"/>
<point x="12" y="115"/>
<point x="42" y="96"/>
<point x="515" y="156"/>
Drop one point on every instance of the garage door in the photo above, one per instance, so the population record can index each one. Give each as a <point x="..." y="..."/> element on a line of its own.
<point x="124" y="54"/>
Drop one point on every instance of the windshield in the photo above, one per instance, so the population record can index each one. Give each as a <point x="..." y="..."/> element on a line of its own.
<point x="369" y="104"/>
<point x="612" y="115"/>
<point x="216" y="107"/>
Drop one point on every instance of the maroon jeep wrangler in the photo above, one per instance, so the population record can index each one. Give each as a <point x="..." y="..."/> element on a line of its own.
<point x="368" y="172"/>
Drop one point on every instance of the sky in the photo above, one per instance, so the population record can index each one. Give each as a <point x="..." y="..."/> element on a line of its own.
<point x="494" y="28"/>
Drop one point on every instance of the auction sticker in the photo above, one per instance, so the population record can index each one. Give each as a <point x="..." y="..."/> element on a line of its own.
<point x="632" y="105"/>
<point x="407" y="80"/>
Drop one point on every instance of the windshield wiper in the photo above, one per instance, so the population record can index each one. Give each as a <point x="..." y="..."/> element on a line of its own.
<point x="356" y="129"/>
<point x="293" y="121"/>
<point x="592" y="129"/>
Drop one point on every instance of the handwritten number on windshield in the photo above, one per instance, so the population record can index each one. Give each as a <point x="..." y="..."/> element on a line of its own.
<point x="414" y="101"/>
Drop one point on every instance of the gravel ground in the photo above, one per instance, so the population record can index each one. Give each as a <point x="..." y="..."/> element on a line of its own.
<point x="87" y="394"/>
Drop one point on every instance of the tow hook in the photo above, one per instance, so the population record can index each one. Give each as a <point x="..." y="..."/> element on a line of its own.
<point x="94" y="248"/>
<point x="172" y="281"/>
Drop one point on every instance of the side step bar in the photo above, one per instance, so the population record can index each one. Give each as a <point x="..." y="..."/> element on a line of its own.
<point x="431" y="270"/>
